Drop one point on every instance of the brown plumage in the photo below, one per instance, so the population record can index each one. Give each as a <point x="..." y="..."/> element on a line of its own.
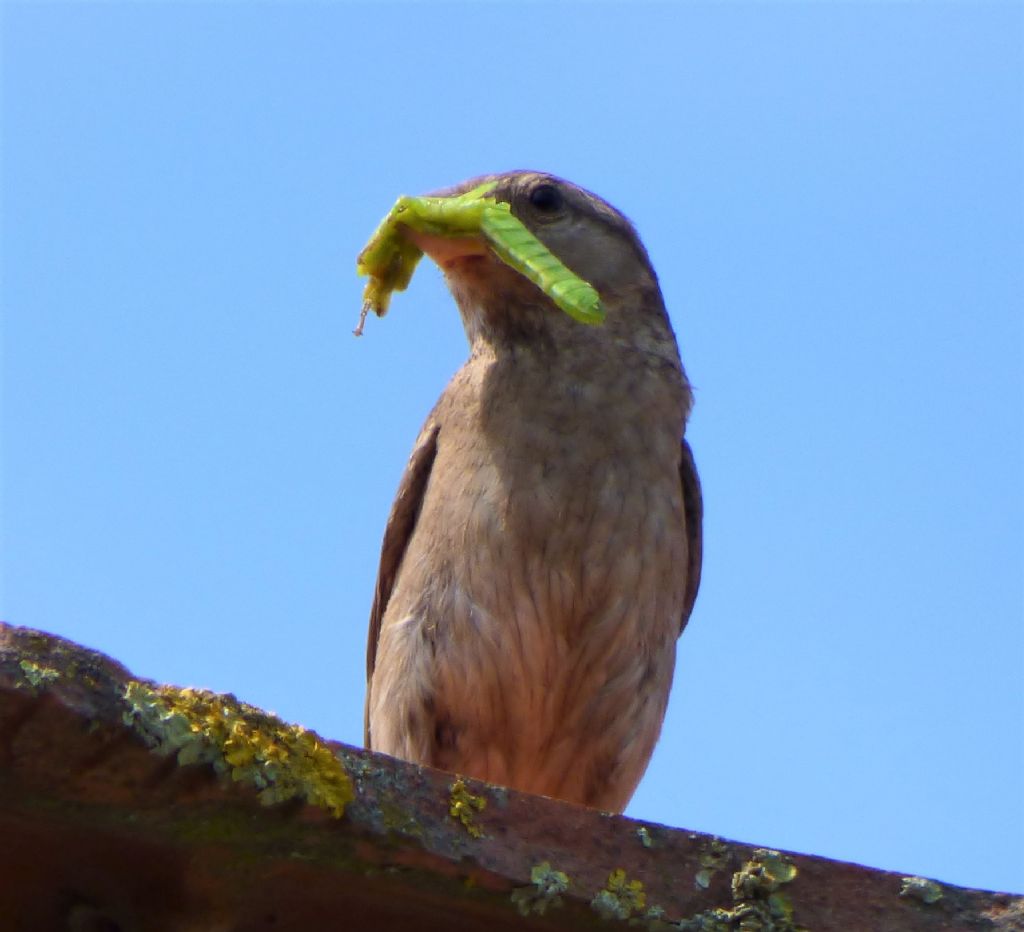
<point x="544" y="549"/>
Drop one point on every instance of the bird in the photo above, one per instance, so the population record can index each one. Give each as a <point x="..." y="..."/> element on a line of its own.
<point x="544" y="549"/>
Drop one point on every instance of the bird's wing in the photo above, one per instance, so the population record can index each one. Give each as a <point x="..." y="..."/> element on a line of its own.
<point x="401" y="522"/>
<point x="693" y="503"/>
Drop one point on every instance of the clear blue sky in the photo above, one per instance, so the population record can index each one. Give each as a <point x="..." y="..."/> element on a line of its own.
<point x="199" y="457"/>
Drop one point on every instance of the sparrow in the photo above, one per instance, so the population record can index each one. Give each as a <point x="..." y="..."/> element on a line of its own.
<point x="543" y="552"/>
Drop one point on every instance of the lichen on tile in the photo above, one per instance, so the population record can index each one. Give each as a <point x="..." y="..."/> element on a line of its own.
<point x="621" y="898"/>
<point x="920" y="888"/>
<point x="37" y="675"/>
<point x="714" y="856"/>
<point x="241" y="742"/>
<point x="759" y="905"/>
<point x="545" y="892"/>
<point x="464" y="806"/>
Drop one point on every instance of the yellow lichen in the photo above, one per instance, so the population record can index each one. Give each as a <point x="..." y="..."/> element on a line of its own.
<point x="762" y="875"/>
<point x="242" y="742"/>
<point x="464" y="806"/>
<point x="36" y="674"/>
<point x="620" y="898"/>
<point x="759" y="906"/>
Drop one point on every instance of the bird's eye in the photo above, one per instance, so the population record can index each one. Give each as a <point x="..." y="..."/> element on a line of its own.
<point x="546" y="198"/>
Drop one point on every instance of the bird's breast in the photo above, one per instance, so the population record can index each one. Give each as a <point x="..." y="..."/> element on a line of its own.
<point x="561" y="501"/>
<point x="541" y="592"/>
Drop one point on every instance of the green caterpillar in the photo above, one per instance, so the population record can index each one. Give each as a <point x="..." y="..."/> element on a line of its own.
<point x="390" y="260"/>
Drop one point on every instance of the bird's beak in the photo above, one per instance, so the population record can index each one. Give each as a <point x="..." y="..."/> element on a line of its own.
<point x="446" y="250"/>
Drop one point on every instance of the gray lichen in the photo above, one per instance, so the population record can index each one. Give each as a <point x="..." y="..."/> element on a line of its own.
<point x="920" y="888"/>
<point x="714" y="856"/>
<point x="547" y="887"/>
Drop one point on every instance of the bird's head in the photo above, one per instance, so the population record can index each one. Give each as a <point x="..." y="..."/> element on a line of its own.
<point x="588" y="235"/>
